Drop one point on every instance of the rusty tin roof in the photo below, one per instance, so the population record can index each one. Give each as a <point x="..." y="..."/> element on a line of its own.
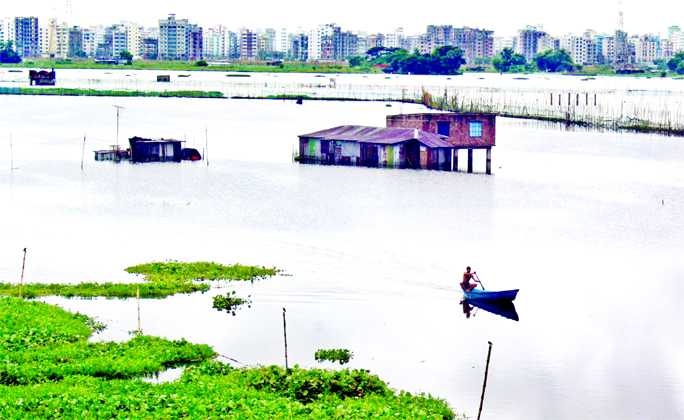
<point x="379" y="135"/>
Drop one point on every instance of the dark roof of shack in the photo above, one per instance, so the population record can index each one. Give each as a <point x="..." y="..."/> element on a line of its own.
<point x="379" y="135"/>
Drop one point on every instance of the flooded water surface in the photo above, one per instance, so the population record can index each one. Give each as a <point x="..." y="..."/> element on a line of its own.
<point x="589" y="226"/>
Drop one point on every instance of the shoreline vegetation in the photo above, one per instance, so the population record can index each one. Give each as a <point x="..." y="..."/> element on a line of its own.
<point x="502" y="102"/>
<point x="49" y="369"/>
<point x="640" y="121"/>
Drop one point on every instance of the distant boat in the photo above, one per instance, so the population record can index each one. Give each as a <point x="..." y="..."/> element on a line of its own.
<point x="505" y="295"/>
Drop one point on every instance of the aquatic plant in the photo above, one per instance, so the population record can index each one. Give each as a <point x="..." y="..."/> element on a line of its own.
<point x="334" y="355"/>
<point x="161" y="279"/>
<point x="49" y="370"/>
<point x="230" y="303"/>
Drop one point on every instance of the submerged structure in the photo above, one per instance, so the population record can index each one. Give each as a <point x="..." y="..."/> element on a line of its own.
<point x="42" y="77"/>
<point x="413" y="141"/>
<point x="149" y="150"/>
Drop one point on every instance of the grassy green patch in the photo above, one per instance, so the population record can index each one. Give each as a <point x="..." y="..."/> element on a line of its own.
<point x="97" y="92"/>
<point x="230" y="303"/>
<point x="333" y="355"/>
<point x="49" y="370"/>
<point x="162" y="279"/>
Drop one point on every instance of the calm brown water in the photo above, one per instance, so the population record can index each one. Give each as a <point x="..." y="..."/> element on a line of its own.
<point x="590" y="227"/>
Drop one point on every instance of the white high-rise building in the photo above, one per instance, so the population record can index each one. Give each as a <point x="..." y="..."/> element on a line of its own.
<point x="282" y="40"/>
<point x="394" y="39"/>
<point x="316" y="40"/>
<point x="7" y="28"/>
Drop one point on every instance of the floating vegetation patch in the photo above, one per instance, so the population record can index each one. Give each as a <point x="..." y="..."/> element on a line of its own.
<point x="161" y="279"/>
<point x="334" y="355"/>
<point x="230" y="303"/>
<point x="49" y="370"/>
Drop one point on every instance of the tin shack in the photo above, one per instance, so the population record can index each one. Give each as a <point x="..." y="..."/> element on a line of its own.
<point x="161" y="150"/>
<point x="415" y="141"/>
<point x="377" y="147"/>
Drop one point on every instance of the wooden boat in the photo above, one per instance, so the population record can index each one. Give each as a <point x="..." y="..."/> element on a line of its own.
<point x="508" y="295"/>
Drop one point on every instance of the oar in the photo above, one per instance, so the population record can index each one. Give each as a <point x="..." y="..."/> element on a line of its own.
<point x="478" y="280"/>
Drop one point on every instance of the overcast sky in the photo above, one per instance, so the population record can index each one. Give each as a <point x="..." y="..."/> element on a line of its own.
<point x="504" y="17"/>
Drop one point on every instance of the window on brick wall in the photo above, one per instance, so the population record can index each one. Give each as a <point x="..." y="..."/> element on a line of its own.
<point x="476" y="129"/>
<point x="443" y="128"/>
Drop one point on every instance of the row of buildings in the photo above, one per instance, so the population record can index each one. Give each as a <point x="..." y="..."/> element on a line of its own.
<point x="178" y="39"/>
<point x="591" y="48"/>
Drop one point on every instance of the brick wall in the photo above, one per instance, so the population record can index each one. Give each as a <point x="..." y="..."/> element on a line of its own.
<point x="459" y="127"/>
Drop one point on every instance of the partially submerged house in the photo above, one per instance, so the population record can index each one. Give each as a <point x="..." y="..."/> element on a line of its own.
<point x="467" y="131"/>
<point x="415" y="141"/>
<point x="42" y="77"/>
<point x="378" y="147"/>
<point x="161" y="150"/>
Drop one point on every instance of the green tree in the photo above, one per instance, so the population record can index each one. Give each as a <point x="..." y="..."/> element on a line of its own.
<point x="447" y="60"/>
<point x="554" y="61"/>
<point x="507" y="59"/>
<point x="7" y="53"/>
<point x="676" y="64"/>
<point x="202" y="63"/>
<point x="126" y="55"/>
<point x="356" y="61"/>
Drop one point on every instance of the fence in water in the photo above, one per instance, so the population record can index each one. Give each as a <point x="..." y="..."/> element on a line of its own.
<point x="601" y="107"/>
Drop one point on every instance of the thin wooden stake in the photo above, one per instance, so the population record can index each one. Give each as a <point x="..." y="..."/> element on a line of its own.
<point x="11" y="154"/>
<point x="484" y="385"/>
<point x="285" y="335"/>
<point x="137" y="289"/>
<point x="23" y="264"/>
<point x="83" y="152"/>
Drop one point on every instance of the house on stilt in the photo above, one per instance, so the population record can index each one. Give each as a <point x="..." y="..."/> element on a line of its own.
<point x="414" y="141"/>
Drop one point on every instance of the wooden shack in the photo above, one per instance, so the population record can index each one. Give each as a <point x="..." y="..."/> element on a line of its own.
<point x="377" y="147"/>
<point x="468" y="131"/>
<point x="161" y="150"/>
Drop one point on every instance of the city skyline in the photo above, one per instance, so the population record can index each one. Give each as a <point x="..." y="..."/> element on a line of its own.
<point x="601" y="16"/>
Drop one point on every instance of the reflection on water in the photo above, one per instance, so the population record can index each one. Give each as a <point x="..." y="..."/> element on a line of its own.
<point x="503" y="308"/>
<point x="373" y="256"/>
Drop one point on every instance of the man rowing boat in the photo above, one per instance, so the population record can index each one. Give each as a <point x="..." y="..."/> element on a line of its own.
<point x="467" y="276"/>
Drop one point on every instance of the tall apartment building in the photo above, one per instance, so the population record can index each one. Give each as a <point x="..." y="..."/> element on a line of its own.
<point x="622" y="55"/>
<point x="149" y="43"/>
<point x="646" y="49"/>
<point x="300" y="47"/>
<point x="76" y="42"/>
<point x="248" y="44"/>
<point x="7" y="27"/>
<point x="677" y="41"/>
<point x="475" y="43"/>
<point x="394" y="39"/>
<point x="320" y="42"/>
<point x="179" y="40"/>
<point x="133" y="38"/>
<point x="26" y="35"/>
<point x="282" y="41"/>
<point x="499" y="43"/>
<point x="528" y="41"/>
<point x="439" y="36"/>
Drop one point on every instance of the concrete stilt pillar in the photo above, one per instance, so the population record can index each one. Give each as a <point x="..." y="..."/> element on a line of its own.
<point x="489" y="161"/>
<point x="470" y="161"/>
<point x="455" y="160"/>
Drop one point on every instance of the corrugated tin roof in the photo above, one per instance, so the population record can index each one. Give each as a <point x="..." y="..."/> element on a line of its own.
<point x="380" y="135"/>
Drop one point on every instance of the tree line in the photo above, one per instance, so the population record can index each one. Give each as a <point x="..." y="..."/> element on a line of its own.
<point x="445" y="60"/>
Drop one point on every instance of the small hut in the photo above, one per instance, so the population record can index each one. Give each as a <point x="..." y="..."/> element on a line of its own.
<point x="376" y="147"/>
<point x="161" y="150"/>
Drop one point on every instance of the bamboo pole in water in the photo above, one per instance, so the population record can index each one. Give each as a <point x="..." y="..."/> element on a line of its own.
<point x="23" y="264"/>
<point x="137" y="290"/>
<point x="285" y="335"/>
<point x="484" y="385"/>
